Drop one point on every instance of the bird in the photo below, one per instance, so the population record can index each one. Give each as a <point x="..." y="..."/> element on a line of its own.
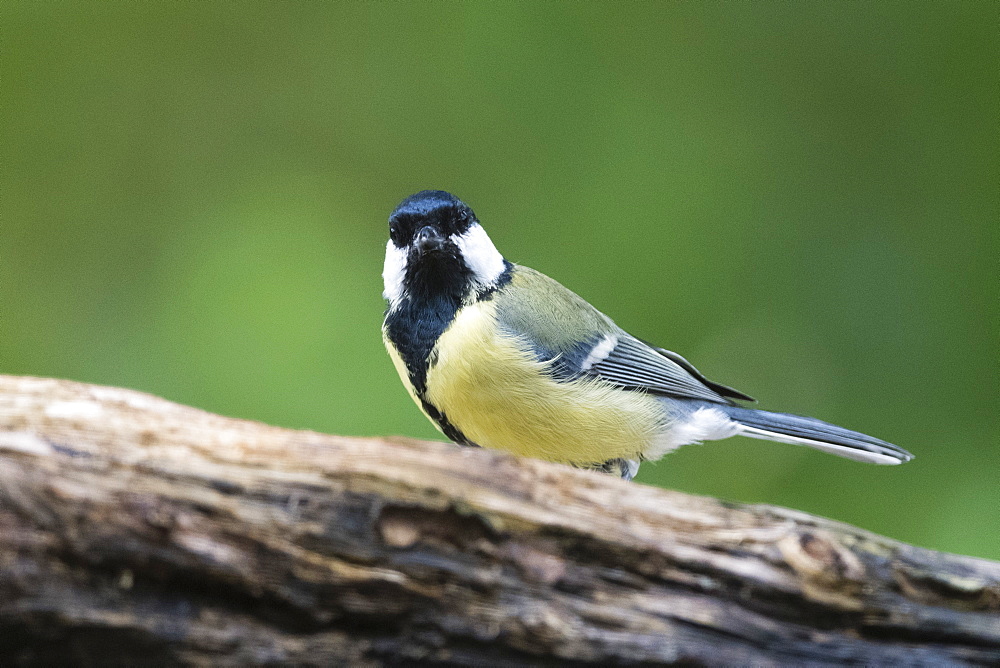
<point x="498" y="355"/>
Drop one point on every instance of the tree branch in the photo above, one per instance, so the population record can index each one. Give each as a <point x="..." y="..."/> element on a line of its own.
<point x="135" y="529"/>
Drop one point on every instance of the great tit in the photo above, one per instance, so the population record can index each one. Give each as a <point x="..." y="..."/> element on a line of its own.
<point x="501" y="356"/>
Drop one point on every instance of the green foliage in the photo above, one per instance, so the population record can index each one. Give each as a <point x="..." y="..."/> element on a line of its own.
<point x="799" y="197"/>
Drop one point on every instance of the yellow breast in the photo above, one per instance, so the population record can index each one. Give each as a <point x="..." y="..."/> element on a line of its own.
<point x="492" y="389"/>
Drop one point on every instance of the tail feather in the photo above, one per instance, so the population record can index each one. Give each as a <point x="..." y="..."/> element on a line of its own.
<point x="799" y="430"/>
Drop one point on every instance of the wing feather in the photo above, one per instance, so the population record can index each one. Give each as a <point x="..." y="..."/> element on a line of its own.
<point x="568" y="332"/>
<point x="637" y="365"/>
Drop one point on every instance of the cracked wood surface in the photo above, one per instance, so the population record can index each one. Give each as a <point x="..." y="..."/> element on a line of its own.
<point x="133" y="529"/>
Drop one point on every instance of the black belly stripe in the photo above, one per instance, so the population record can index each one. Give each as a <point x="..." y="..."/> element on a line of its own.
<point x="450" y="430"/>
<point x="414" y="328"/>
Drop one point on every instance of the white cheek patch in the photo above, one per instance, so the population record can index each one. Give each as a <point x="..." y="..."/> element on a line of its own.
<point x="393" y="273"/>
<point x="480" y="255"/>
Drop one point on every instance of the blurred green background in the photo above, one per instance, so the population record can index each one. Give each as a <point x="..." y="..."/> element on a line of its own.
<point x="802" y="198"/>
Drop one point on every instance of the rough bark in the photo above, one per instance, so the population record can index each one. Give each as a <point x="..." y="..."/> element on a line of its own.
<point x="136" y="530"/>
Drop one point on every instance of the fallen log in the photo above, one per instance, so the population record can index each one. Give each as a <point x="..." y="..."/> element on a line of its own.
<point x="136" y="530"/>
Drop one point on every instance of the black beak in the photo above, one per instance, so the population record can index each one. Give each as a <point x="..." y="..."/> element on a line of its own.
<point x="428" y="239"/>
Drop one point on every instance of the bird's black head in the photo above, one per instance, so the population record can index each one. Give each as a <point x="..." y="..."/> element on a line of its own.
<point x="433" y="212"/>
<point x="437" y="249"/>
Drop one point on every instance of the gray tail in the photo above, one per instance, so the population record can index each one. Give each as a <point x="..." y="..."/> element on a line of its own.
<point x="799" y="430"/>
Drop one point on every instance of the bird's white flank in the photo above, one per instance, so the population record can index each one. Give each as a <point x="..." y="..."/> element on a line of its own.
<point x="705" y="424"/>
